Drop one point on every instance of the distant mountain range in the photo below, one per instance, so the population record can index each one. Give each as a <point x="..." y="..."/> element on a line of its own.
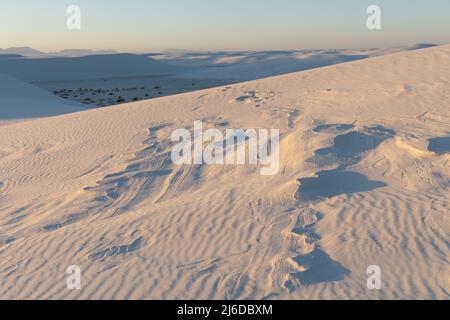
<point x="30" y="52"/>
<point x="23" y="51"/>
<point x="81" y="52"/>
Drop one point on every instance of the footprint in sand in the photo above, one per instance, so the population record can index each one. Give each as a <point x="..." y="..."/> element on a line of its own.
<point x="305" y="262"/>
<point x="292" y="118"/>
<point x="333" y="128"/>
<point x="116" y="250"/>
<point x="253" y="96"/>
<point x="224" y="89"/>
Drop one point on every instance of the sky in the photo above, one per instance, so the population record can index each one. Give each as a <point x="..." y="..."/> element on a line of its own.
<point x="145" y="25"/>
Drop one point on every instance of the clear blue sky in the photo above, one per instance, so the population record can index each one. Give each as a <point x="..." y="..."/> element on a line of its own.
<point x="222" y="24"/>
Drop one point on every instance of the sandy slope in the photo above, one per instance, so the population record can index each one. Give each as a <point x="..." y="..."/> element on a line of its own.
<point x="97" y="79"/>
<point x="20" y="100"/>
<point x="358" y="186"/>
<point x="245" y="66"/>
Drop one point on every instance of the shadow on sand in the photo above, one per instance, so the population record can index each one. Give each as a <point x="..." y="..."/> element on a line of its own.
<point x="334" y="183"/>
<point x="321" y="268"/>
<point x="347" y="149"/>
<point x="439" y="145"/>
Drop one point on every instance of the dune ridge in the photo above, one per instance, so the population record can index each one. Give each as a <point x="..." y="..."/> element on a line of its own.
<point x="85" y="67"/>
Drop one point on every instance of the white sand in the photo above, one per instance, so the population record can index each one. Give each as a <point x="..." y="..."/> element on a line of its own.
<point x="20" y="100"/>
<point x="97" y="79"/>
<point x="97" y="189"/>
<point x="245" y="66"/>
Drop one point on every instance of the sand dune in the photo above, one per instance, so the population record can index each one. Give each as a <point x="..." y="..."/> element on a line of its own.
<point x="84" y="68"/>
<point x="20" y="100"/>
<point x="103" y="78"/>
<point x="364" y="180"/>
<point x="244" y="66"/>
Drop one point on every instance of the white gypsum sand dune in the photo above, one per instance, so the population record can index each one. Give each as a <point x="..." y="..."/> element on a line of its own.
<point x="20" y="100"/>
<point x="364" y="180"/>
<point x="244" y="66"/>
<point x="109" y="79"/>
<point x="84" y="68"/>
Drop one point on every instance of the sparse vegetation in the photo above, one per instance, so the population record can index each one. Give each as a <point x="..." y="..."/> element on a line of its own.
<point x="94" y="95"/>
